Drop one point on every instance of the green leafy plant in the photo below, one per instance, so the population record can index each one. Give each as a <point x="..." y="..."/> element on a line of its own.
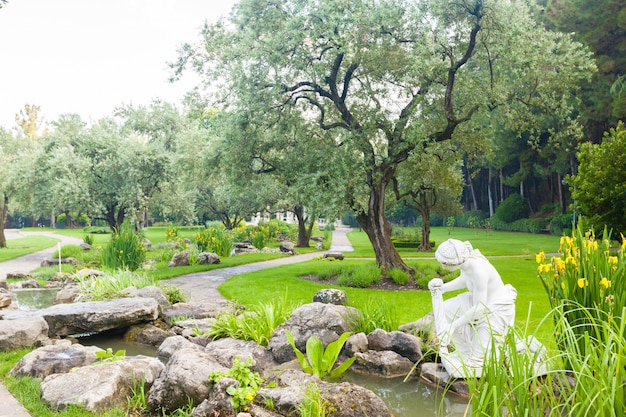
<point x="88" y="239"/>
<point x="108" y="355"/>
<point x="125" y="250"/>
<point x="214" y="239"/>
<point x="110" y="285"/>
<point x="375" y="314"/>
<point x="399" y="276"/>
<point x="137" y="403"/>
<point x="313" y="404"/>
<point x="319" y="361"/>
<point x="173" y="293"/>
<point x="361" y="276"/>
<point x="249" y="383"/>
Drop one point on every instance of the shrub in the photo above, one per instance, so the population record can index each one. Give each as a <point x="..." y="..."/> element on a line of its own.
<point x="173" y="293"/>
<point x="111" y="285"/>
<point x="249" y="382"/>
<point x="513" y="208"/>
<point x="88" y="239"/>
<point x="399" y="276"/>
<point x="376" y="314"/>
<point x="69" y="251"/>
<point x="125" y="250"/>
<point x="97" y="230"/>
<point x="561" y="224"/>
<point x="361" y="276"/>
<point x="319" y="361"/>
<point x="214" y="239"/>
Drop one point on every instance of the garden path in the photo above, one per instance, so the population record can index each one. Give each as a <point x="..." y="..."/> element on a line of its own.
<point x="198" y="287"/>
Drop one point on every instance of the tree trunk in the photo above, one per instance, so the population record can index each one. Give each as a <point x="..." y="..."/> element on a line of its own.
<point x="303" y="235"/>
<point x="4" y="215"/>
<point x="378" y="229"/>
<point x="425" y="245"/>
<point x="490" y="195"/>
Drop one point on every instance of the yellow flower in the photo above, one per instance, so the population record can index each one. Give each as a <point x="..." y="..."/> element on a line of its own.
<point x="539" y="258"/>
<point x="121" y="251"/>
<point x="562" y="285"/>
<point x="582" y="282"/>
<point x="612" y="260"/>
<point x="559" y="263"/>
<point x="605" y="283"/>
<point x="570" y="260"/>
<point x="250" y="397"/>
<point x="544" y="268"/>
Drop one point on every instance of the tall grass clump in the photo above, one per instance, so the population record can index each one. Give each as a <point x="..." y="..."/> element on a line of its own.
<point x="594" y="383"/>
<point x="586" y="281"/>
<point x="361" y="276"/>
<point x="125" y="250"/>
<point x="111" y="285"/>
<point x="257" y="324"/>
<point x="376" y="314"/>
<point x="214" y="239"/>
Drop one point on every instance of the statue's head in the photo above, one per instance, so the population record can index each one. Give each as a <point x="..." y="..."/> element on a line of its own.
<point x="453" y="253"/>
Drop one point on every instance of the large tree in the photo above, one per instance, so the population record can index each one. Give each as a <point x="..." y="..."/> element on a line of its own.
<point x="385" y="76"/>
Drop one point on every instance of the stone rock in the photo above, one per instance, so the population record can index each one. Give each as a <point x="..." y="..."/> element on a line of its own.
<point x="179" y="259"/>
<point x="93" y="316"/>
<point x="356" y="343"/>
<point x="31" y="283"/>
<point x="404" y="344"/>
<point x="283" y="238"/>
<point x="147" y="244"/>
<point x="319" y="246"/>
<point x="55" y="262"/>
<point x="336" y="255"/>
<point x="148" y="334"/>
<point x="86" y="273"/>
<point x="195" y="310"/>
<point x="287" y="247"/>
<point x="227" y="349"/>
<point x="208" y="258"/>
<point x="331" y="296"/>
<point x="218" y="404"/>
<point x="244" y="247"/>
<point x="184" y="379"/>
<point x="172" y="344"/>
<point x="57" y="358"/>
<point x="151" y="291"/>
<point x="347" y="399"/>
<point x="6" y="298"/>
<point x="420" y="327"/>
<point x="435" y="375"/>
<point x="102" y="386"/>
<point x="326" y="321"/>
<point x="22" y="332"/>
<point x="68" y="294"/>
<point x="386" y="364"/>
<point x="85" y="246"/>
<point x="317" y="239"/>
<point x="19" y="275"/>
<point x="3" y="284"/>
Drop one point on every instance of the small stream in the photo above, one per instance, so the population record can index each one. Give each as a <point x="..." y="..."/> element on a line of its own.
<point x="404" y="399"/>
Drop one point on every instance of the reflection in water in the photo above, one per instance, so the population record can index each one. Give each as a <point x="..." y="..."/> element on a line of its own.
<point x="412" y="398"/>
<point x="35" y="298"/>
<point x="115" y="341"/>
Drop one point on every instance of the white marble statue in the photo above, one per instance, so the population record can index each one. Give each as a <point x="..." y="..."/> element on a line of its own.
<point x="470" y="321"/>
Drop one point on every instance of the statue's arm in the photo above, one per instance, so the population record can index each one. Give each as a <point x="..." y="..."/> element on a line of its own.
<point x="480" y="287"/>
<point x="456" y="284"/>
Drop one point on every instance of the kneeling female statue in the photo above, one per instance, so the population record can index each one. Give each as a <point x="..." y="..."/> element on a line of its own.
<point x="473" y="320"/>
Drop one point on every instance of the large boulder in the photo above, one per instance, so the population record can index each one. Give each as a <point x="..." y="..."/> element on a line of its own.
<point x="404" y="344"/>
<point x="172" y="344"/>
<point x="148" y="333"/>
<point x="151" y="291"/>
<point x="184" y="380"/>
<point x="346" y="399"/>
<point x="208" y="258"/>
<point x="102" y="386"/>
<point x="55" y="262"/>
<point x="6" y="298"/>
<point x="325" y="321"/>
<point x="179" y="259"/>
<point x="93" y="316"/>
<point x="22" y="332"/>
<point x="227" y="349"/>
<point x="195" y="310"/>
<point x="331" y="296"/>
<point x="56" y="358"/>
<point x="385" y="364"/>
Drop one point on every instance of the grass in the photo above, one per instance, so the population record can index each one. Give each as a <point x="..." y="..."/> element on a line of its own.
<point x="25" y="245"/>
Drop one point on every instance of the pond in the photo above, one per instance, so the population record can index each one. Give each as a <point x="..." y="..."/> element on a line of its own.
<point x="35" y="298"/>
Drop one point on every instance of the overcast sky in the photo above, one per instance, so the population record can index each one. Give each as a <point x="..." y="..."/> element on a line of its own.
<point x="90" y="56"/>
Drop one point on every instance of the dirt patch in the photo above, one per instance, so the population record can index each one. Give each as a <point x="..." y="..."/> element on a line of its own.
<point x="386" y="284"/>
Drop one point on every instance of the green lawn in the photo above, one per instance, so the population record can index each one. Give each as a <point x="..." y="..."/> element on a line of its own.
<point x="25" y="245"/>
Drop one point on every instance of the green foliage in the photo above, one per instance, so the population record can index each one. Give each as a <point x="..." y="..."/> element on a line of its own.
<point x="513" y="208"/>
<point x="171" y="233"/>
<point x="561" y="224"/>
<point x="598" y="187"/>
<point x="173" y="293"/>
<point x="88" y="239"/>
<point x="137" y="403"/>
<point x="109" y="356"/>
<point x="319" y="361"/>
<point x="377" y="313"/>
<point x="97" y="230"/>
<point x="399" y="276"/>
<point x="361" y="276"/>
<point x="69" y="251"/>
<point x="62" y="218"/>
<point x="110" y="285"/>
<point x="313" y="404"/>
<point x="260" y="236"/>
<point x="214" y="239"/>
<point x="258" y="324"/>
<point x="125" y="250"/>
<point x="586" y="281"/>
<point x="249" y="383"/>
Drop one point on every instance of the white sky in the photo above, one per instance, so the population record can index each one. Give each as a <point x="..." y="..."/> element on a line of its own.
<point x="90" y="56"/>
